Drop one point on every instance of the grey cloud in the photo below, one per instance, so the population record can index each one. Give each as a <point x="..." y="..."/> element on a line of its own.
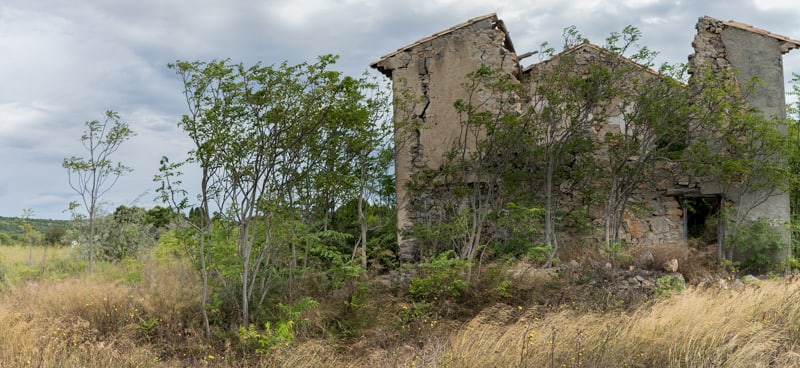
<point x="67" y="62"/>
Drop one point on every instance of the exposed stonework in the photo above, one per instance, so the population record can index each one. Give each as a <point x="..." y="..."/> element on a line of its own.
<point x="749" y="53"/>
<point x="431" y="72"/>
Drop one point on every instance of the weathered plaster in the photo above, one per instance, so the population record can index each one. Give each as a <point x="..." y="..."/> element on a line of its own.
<point x="430" y="73"/>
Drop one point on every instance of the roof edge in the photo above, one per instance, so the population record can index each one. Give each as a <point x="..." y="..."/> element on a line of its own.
<point x="491" y="16"/>
<point x="587" y="44"/>
<point x="789" y="44"/>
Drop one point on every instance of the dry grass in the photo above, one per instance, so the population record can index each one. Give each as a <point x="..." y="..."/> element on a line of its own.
<point x="99" y="322"/>
<point x="96" y="322"/>
<point x="755" y="327"/>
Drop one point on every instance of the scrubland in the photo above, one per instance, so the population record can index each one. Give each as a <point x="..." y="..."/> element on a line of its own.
<point x="145" y="313"/>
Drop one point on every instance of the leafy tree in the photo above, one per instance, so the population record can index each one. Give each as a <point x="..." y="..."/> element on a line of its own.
<point x="94" y="175"/>
<point x="5" y="239"/>
<point x="793" y="161"/>
<point x="30" y="235"/>
<point x="466" y="191"/>
<point x="160" y="217"/>
<point x="55" y="235"/>
<point x="747" y="154"/>
<point x="269" y="142"/>
<point x="124" y="234"/>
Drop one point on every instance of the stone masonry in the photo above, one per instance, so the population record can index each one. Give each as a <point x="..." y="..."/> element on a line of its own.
<point x="429" y="73"/>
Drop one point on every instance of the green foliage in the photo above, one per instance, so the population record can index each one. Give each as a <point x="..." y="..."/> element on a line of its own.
<point x="413" y="317"/>
<point x="667" y="285"/>
<point x="440" y="278"/>
<point x="160" y="217"/>
<point x="10" y="232"/>
<point x="147" y="327"/>
<point x="352" y="316"/>
<point x="173" y="243"/>
<point x="5" y="239"/>
<point x="123" y="234"/>
<point x="92" y="176"/>
<point x="281" y="332"/>
<point x="278" y="147"/>
<point x="757" y="243"/>
<point x="381" y="231"/>
<point x="617" y="252"/>
<point x="517" y="233"/>
<point x="67" y="267"/>
<point x="55" y="236"/>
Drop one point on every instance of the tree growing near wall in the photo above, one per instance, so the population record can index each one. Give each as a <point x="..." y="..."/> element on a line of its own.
<point x="567" y="101"/>
<point x="654" y="123"/>
<point x="793" y="135"/>
<point x="747" y="154"/>
<point x="94" y="175"/>
<point x="592" y="122"/>
<point x="467" y="189"/>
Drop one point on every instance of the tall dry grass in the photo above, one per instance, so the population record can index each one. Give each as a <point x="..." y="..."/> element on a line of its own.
<point x="103" y="322"/>
<point x="115" y="319"/>
<point x="100" y="322"/>
<point x="758" y="326"/>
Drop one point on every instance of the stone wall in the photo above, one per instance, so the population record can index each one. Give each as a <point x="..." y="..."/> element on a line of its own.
<point x="749" y="53"/>
<point x="427" y="80"/>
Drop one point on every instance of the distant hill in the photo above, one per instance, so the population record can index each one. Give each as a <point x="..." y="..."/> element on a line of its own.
<point x="10" y="225"/>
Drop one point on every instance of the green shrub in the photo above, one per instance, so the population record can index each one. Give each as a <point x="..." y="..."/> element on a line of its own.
<point x="669" y="284"/>
<point x="757" y="243"/>
<point x="617" y="252"/>
<point x="441" y="277"/>
<point x="281" y="332"/>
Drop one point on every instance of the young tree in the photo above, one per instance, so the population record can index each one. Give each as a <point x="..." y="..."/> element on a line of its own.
<point x="746" y="154"/>
<point x="269" y="143"/>
<point x="29" y="234"/>
<point x="94" y="175"/>
<point x="571" y="97"/>
<point x="466" y="191"/>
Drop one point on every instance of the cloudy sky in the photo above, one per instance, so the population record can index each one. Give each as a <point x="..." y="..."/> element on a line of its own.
<point x="65" y="62"/>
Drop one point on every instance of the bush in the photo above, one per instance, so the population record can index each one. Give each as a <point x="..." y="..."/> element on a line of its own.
<point x="666" y="285"/>
<point x="440" y="278"/>
<point x="757" y="244"/>
<point x="281" y="333"/>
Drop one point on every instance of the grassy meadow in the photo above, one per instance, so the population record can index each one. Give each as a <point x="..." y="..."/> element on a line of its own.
<point x="145" y="313"/>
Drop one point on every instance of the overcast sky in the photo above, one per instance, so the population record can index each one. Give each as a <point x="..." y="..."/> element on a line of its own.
<point x="65" y="62"/>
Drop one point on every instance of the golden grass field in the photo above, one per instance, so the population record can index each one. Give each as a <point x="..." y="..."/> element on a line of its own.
<point x="116" y="320"/>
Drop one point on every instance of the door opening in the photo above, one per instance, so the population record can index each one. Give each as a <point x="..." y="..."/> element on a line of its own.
<point x="701" y="218"/>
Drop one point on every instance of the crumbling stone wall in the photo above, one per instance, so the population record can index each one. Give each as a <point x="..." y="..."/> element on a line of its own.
<point x="747" y="53"/>
<point x="709" y="50"/>
<point x="427" y="80"/>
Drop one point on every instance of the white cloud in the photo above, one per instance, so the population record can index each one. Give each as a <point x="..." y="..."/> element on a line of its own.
<point x="66" y="62"/>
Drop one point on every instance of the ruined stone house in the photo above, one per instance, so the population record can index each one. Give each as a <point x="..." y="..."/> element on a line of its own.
<point x="433" y="69"/>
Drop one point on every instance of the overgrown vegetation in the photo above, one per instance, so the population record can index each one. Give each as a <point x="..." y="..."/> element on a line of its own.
<point x="287" y="256"/>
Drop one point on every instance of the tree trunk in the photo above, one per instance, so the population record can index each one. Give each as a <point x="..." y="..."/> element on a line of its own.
<point x="548" y="212"/>
<point x="362" y="219"/>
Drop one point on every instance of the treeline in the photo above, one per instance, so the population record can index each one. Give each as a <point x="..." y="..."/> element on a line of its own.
<point x="10" y="231"/>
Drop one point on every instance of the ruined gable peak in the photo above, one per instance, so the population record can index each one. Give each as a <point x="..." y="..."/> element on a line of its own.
<point x="388" y="62"/>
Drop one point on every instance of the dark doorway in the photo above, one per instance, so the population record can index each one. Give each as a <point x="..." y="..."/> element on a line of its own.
<point x="701" y="217"/>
